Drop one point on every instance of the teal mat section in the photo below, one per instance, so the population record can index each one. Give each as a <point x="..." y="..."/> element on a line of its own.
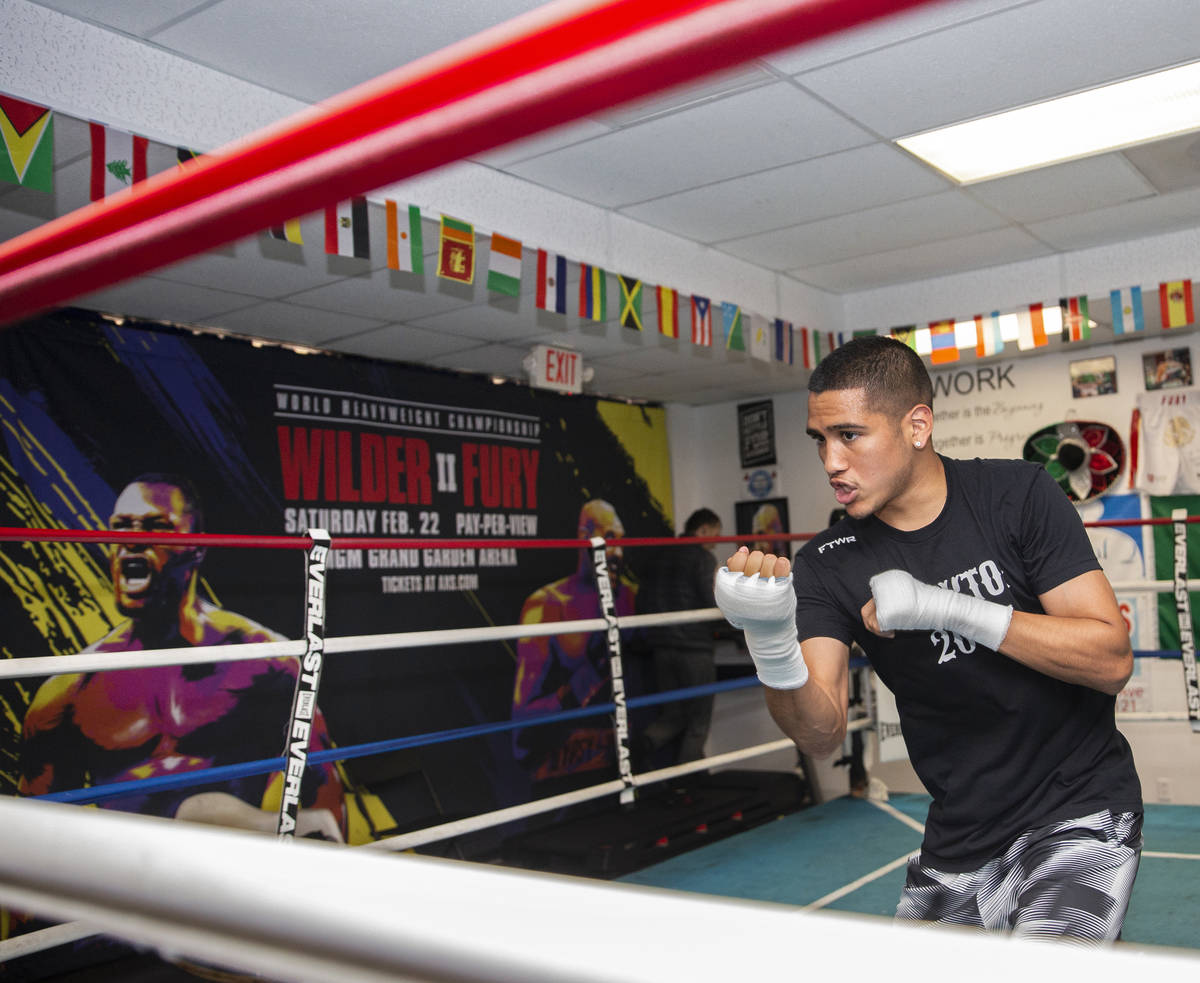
<point x="802" y="857"/>
<point x="797" y="859"/>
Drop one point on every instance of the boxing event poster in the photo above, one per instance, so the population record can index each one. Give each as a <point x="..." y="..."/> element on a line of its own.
<point x="274" y="443"/>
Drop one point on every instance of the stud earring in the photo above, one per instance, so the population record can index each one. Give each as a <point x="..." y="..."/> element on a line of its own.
<point x="917" y="444"/>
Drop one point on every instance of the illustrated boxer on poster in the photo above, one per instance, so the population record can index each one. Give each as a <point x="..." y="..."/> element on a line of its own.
<point x="560" y="672"/>
<point x="95" y="728"/>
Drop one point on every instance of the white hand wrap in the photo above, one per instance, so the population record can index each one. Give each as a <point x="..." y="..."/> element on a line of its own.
<point x="766" y="611"/>
<point x="903" y="602"/>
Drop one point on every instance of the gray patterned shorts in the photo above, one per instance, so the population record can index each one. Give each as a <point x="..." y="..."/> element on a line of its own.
<point x="1069" y="880"/>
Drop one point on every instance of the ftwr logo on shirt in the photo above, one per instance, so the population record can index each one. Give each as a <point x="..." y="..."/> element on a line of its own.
<point x="836" y="542"/>
<point x="986" y="582"/>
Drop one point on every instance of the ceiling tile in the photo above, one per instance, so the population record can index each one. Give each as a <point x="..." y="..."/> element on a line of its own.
<point x="882" y="32"/>
<point x="970" y="70"/>
<point x="694" y="147"/>
<point x="680" y="97"/>
<point x="1064" y="189"/>
<point x="388" y="295"/>
<point x="505" y="318"/>
<point x="137" y="17"/>
<point x="832" y="185"/>
<point x="1169" y="165"/>
<point x="399" y="343"/>
<point x="495" y="360"/>
<point x="556" y="139"/>
<point x="923" y="262"/>
<point x="155" y="299"/>
<point x="906" y="223"/>
<point x="236" y="36"/>
<point x="259" y="267"/>
<point x="288" y="322"/>
<point x="1118" y="223"/>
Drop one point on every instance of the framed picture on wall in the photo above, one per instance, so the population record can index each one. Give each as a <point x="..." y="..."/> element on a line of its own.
<point x="758" y="519"/>
<point x="756" y="433"/>
<point x="1171" y="369"/>
<point x="1094" y="376"/>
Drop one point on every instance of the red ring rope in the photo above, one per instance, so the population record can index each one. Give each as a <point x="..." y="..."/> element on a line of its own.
<point x="21" y="534"/>
<point x="546" y="68"/>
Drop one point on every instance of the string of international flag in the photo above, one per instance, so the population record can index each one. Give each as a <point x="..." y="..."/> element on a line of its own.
<point x="1032" y="326"/>
<point x="119" y="160"/>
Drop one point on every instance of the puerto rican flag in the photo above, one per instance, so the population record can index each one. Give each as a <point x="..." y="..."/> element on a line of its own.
<point x="701" y="321"/>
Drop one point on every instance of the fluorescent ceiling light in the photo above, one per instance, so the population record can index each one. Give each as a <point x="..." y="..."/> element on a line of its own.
<point x="1111" y="117"/>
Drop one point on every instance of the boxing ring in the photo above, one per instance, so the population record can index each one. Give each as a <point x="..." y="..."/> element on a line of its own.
<point x="74" y="863"/>
<point x="240" y="900"/>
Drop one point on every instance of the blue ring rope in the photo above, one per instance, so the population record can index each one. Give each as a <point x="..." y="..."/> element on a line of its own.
<point x="264" y="766"/>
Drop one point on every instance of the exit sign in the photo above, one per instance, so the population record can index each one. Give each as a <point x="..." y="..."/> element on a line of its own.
<point x="556" y="368"/>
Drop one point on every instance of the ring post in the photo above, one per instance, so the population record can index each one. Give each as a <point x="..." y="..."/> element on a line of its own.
<point x="1183" y="612"/>
<point x="608" y="610"/>
<point x="308" y="680"/>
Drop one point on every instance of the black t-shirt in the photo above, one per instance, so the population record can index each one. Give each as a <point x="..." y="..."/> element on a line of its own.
<point x="999" y="746"/>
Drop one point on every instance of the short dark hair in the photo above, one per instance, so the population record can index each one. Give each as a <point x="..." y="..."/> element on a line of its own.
<point x="701" y="517"/>
<point x="191" y="496"/>
<point x="893" y="375"/>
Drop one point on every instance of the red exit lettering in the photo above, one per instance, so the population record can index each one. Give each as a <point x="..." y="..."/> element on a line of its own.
<point x="562" y="367"/>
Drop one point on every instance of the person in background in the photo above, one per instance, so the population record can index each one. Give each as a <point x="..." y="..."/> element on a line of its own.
<point x="683" y="654"/>
<point x="974" y="591"/>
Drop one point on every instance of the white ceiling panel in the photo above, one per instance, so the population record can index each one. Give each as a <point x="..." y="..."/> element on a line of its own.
<point x="591" y="338"/>
<point x="482" y="321"/>
<point x="400" y="343"/>
<point x="1119" y="223"/>
<point x="877" y="34"/>
<point x="906" y="223"/>
<point x="831" y="185"/>
<point x="500" y="360"/>
<point x="1065" y="189"/>
<point x="685" y="96"/>
<point x="137" y="17"/>
<point x="1168" y="165"/>
<point x="708" y="143"/>
<point x="543" y="143"/>
<point x="157" y="299"/>
<point x="387" y="295"/>
<point x="288" y="322"/>
<point x="924" y="261"/>
<point x="259" y="267"/>
<point x="973" y="69"/>
<point x="341" y="46"/>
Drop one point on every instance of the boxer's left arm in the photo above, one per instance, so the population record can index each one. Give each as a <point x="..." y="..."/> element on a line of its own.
<point x="1081" y="638"/>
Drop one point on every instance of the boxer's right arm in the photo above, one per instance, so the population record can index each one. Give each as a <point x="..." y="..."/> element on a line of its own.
<point x="814" y="716"/>
<point x="806" y="690"/>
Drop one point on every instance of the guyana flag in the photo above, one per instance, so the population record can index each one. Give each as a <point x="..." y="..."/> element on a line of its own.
<point x="27" y="133"/>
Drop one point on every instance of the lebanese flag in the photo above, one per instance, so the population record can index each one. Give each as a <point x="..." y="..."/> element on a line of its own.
<point x="118" y="160"/>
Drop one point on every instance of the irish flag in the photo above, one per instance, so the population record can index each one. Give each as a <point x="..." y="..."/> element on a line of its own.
<point x="504" y="269"/>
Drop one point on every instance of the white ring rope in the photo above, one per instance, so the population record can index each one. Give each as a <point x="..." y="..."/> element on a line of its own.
<point x="51" y="665"/>
<point x="245" y="901"/>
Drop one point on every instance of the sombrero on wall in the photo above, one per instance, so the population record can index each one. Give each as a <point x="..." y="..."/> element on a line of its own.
<point x="1083" y="456"/>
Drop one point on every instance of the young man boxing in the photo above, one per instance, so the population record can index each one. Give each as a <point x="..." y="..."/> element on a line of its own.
<point x="974" y="591"/>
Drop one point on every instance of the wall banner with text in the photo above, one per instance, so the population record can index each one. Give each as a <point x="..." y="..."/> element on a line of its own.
<point x="273" y="442"/>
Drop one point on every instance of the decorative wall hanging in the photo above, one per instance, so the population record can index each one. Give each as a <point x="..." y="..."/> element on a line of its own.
<point x="1083" y="456"/>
